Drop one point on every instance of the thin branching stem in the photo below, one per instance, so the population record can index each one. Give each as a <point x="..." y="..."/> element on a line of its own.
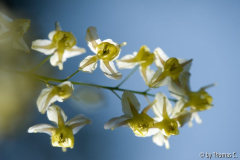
<point x="116" y="94"/>
<point x="147" y="99"/>
<point x="41" y="63"/>
<point x="72" y="75"/>
<point x="130" y="74"/>
<point x="48" y="79"/>
<point x="148" y="89"/>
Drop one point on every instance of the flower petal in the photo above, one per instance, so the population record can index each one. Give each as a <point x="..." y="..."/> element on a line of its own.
<point x="19" y="43"/>
<point x="74" y="51"/>
<point x="44" y="46"/>
<point x="41" y="128"/>
<point x="175" y="91"/>
<point x="187" y="64"/>
<point x="52" y="114"/>
<point x="152" y="131"/>
<point x="155" y="82"/>
<point x="78" y="122"/>
<point x="51" y="34"/>
<point x="159" y="139"/>
<point x="111" y="41"/>
<point x="177" y="108"/>
<point x="161" y="57"/>
<point x="54" y="60"/>
<point x="196" y="117"/>
<point x="146" y="73"/>
<point x="109" y="70"/>
<point x="112" y="123"/>
<point x="158" y="107"/>
<point x="183" y="117"/>
<point x="125" y="104"/>
<point x="184" y="79"/>
<point x="92" y="38"/>
<point x="57" y="26"/>
<point x="89" y="64"/>
<point x="5" y="17"/>
<point x="66" y="83"/>
<point x="127" y="62"/>
<point x="45" y="99"/>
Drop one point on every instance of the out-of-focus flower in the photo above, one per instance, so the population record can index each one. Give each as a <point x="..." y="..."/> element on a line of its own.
<point x="197" y="101"/>
<point x="14" y="107"/>
<point x="62" y="135"/>
<point x="89" y="99"/>
<point x="140" y="123"/>
<point x="106" y="51"/>
<point x="169" y="69"/>
<point x="52" y="94"/>
<point x="13" y="31"/>
<point x="195" y="117"/>
<point x="143" y="58"/>
<point x="61" y="44"/>
<point x="168" y="119"/>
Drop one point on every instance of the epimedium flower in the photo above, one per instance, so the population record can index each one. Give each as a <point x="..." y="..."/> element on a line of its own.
<point x="52" y="94"/>
<point x="61" y="44"/>
<point x="63" y="134"/>
<point x="169" y="69"/>
<point x="168" y="119"/>
<point x="144" y="58"/>
<point x="198" y="101"/>
<point x="13" y="31"/>
<point x="106" y="52"/>
<point x="140" y="123"/>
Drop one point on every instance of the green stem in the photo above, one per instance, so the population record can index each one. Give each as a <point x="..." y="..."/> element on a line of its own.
<point x="72" y="75"/>
<point x="130" y="74"/>
<point x="148" y="89"/>
<point x="116" y="94"/>
<point x="147" y="99"/>
<point x="41" y="63"/>
<point x="47" y="79"/>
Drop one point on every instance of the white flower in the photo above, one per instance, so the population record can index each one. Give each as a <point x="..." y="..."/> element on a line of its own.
<point x="143" y="58"/>
<point x="140" y="123"/>
<point x="61" y="44"/>
<point x="62" y="135"/>
<point x="53" y="94"/>
<point x="169" y="69"/>
<point x="13" y="31"/>
<point x="198" y="101"/>
<point x="106" y="51"/>
<point x="168" y="119"/>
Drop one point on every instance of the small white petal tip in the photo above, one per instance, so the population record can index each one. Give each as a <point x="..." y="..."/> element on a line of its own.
<point x="123" y="44"/>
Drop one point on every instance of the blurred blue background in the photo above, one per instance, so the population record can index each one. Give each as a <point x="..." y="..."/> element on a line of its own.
<point x="207" y="31"/>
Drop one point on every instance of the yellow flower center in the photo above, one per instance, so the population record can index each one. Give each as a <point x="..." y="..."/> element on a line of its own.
<point x="140" y="124"/>
<point x="64" y="40"/>
<point x="144" y="56"/>
<point x="172" y="68"/>
<point x="64" y="91"/>
<point x="63" y="137"/>
<point x="169" y="126"/>
<point x="107" y="51"/>
<point x="200" y="100"/>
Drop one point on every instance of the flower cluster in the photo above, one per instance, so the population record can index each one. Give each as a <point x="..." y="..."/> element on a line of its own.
<point x="171" y="71"/>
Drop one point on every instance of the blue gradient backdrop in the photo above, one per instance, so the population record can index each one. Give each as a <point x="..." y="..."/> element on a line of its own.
<point x="207" y="31"/>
